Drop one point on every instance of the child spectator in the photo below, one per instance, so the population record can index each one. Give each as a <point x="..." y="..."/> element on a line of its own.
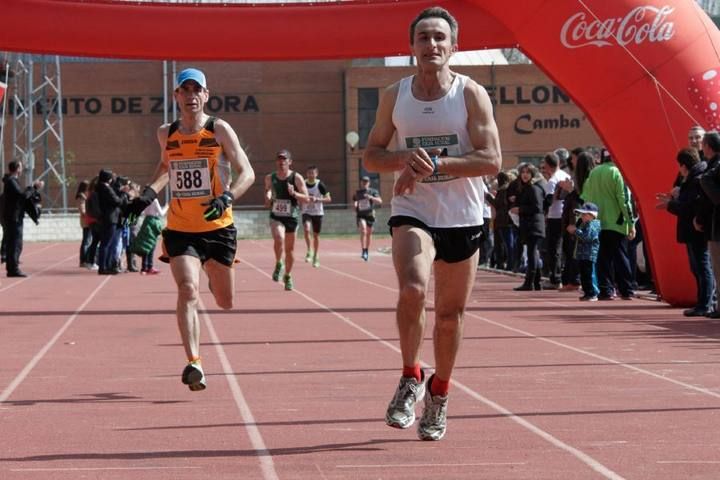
<point x="587" y="233"/>
<point x="146" y="239"/>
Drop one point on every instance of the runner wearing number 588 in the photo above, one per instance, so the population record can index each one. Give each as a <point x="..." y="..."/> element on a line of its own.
<point x="199" y="154"/>
<point x="284" y="191"/>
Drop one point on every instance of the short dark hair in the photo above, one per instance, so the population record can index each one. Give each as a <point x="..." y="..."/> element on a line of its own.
<point x="688" y="157"/>
<point x="311" y="167"/>
<point x="13" y="166"/>
<point x="551" y="159"/>
<point x="502" y="179"/>
<point x="435" y="12"/>
<point x="712" y="140"/>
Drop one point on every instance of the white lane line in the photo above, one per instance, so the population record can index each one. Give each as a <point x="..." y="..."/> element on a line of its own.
<point x="94" y="469"/>
<point x="23" y="280"/>
<point x="603" y="314"/>
<point x="555" y="342"/>
<point x="582" y="456"/>
<point x="704" y="338"/>
<point x="39" y="356"/>
<point x="690" y="462"/>
<point x="598" y="357"/>
<point x="266" y="462"/>
<point x="435" y="465"/>
<point x="40" y="250"/>
<point x="353" y="277"/>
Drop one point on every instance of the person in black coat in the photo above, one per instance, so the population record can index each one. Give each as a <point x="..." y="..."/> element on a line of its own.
<point x="110" y="206"/>
<point x="684" y="202"/>
<point x="529" y="207"/>
<point x="16" y="202"/>
<point x="707" y="218"/>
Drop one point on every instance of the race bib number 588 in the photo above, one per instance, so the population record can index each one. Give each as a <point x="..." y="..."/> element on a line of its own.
<point x="190" y="178"/>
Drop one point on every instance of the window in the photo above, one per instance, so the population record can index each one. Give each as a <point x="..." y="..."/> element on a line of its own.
<point x="368" y="99"/>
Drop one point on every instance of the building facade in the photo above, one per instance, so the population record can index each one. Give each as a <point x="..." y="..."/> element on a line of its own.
<point x="111" y="112"/>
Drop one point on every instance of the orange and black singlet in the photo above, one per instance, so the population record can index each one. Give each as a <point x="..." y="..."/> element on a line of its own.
<point x="197" y="171"/>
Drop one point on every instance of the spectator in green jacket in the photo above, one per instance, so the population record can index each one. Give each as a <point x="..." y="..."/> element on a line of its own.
<point x="605" y="187"/>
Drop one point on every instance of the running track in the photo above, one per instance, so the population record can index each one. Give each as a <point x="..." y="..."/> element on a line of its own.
<point x="546" y="387"/>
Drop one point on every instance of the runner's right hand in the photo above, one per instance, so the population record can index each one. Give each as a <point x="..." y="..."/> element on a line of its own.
<point x="138" y="204"/>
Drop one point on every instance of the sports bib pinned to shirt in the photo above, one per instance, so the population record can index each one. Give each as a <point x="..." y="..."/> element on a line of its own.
<point x="190" y="178"/>
<point x="282" y="208"/>
<point x="364" y="205"/>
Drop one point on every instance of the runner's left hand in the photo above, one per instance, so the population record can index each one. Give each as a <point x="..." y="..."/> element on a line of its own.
<point x="217" y="206"/>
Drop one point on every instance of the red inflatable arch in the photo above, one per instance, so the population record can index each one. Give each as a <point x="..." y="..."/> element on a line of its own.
<point x="642" y="71"/>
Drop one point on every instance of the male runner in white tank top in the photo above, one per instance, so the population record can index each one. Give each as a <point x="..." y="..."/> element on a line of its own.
<point x="446" y="139"/>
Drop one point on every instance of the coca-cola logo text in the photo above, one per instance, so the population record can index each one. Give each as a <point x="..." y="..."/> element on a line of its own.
<point x="641" y="24"/>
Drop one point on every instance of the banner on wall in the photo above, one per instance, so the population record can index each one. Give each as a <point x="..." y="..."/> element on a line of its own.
<point x="3" y="87"/>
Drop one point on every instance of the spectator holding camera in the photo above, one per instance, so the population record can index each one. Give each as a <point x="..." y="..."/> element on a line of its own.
<point x="16" y="202"/>
<point x="683" y="201"/>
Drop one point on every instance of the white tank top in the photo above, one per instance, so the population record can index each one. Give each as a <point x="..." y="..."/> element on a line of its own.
<point x="313" y="208"/>
<point x="440" y="201"/>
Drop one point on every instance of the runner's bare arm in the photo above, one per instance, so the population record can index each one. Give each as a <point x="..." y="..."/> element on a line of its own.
<point x="160" y="177"/>
<point x="486" y="159"/>
<point x="300" y="192"/>
<point x="377" y="157"/>
<point x="268" y="191"/>
<point x="230" y="143"/>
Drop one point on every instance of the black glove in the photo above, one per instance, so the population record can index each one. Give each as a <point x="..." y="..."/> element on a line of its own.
<point x="217" y="206"/>
<point x="138" y="204"/>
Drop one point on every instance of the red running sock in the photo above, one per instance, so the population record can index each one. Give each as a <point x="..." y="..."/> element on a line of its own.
<point x="413" y="371"/>
<point x="439" y="387"/>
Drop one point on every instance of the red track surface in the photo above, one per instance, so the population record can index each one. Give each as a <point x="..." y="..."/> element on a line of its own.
<point x="546" y="387"/>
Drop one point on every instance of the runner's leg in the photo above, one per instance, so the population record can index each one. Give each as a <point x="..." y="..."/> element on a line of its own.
<point x="278" y="233"/>
<point x="222" y="279"/>
<point x="453" y="284"/>
<point x="307" y="228"/>
<point x="186" y="272"/>
<point x="289" y="251"/>
<point x="362" y="226"/>
<point x="413" y="253"/>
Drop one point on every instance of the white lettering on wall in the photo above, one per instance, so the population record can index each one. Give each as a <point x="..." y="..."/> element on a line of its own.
<point x="641" y="24"/>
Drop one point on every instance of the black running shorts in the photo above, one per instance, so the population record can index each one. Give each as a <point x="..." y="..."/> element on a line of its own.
<point x="369" y="220"/>
<point x="452" y="245"/>
<point x="316" y="221"/>
<point x="290" y="223"/>
<point x="220" y="244"/>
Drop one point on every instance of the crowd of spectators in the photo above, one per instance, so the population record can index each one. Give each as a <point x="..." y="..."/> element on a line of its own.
<point x="111" y="237"/>
<point x="540" y="211"/>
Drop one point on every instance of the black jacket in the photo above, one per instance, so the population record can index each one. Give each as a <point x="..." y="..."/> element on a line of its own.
<point x="110" y="204"/>
<point x="530" y="201"/>
<point x="14" y="197"/>
<point x="708" y="214"/>
<point x="686" y="206"/>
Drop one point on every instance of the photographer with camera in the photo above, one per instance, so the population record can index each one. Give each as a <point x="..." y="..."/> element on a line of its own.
<point x="16" y="202"/>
